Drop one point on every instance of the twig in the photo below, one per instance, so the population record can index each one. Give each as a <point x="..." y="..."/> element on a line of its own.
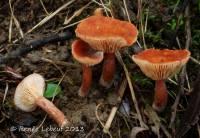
<point x="2" y="119"/>
<point x="63" y="63"/>
<point x="4" y="98"/>
<point x="130" y="20"/>
<point x="67" y="26"/>
<point x="97" y="116"/>
<point x="124" y="1"/>
<point x="195" y="60"/>
<point x="178" y="11"/>
<point x="5" y="93"/>
<point x="182" y="74"/>
<point x="60" y="70"/>
<point x="38" y="127"/>
<point x="141" y="22"/>
<point x="175" y="83"/>
<point x="191" y="115"/>
<point x="198" y="129"/>
<point x="17" y="24"/>
<point x="114" y="109"/>
<point x="119" y="58"/>
<point x="118" y="55"/>
<point x="10" y="30"/>
<point x="91" y="131"/>
<point x="178" y="42"/>
<point x="105" y="8"/>
<point x="47" y="18"/>
<point x="34" y="44"/>
<point x="187" y="80"/>
<point x="41" y="1"/>
<point x="110" y="119"/>
<point x="54" y="64"/>
<point x="187" y="27"/>
<point x="165" y="131"/>
<point x="76" y="13"/>
<point x="146" y="21"/>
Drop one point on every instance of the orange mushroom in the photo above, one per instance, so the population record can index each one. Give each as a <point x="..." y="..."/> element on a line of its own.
<point x="159" y="65"/>
<point x="83" y="53"/>
<point x="108" y="35"/>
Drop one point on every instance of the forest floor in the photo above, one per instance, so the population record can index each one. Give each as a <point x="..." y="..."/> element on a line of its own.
<point x="164" y="24"/>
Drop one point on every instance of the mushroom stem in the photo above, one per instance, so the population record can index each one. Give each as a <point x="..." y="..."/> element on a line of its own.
<point x="109" y="68"/>
<point x="86" y="81"/>
<point x="52" y="111"/>
<point x="160" y="97"/>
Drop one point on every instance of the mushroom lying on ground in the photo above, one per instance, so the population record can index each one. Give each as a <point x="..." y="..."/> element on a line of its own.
<point x="83" y="53"/>
<point x="159" y="65"/>
<point x="29" y="95"/>
<point x="108" y="35"/>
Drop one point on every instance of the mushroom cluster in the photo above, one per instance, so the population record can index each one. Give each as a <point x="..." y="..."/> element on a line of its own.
<point x="100" y="37"/>
<point x="106" y="35"/>
<point x="159" y="65"/>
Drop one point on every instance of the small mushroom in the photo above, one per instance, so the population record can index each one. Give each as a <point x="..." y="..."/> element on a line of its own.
<point x="108" y="35"/>
<point x="159" y="65"/>
<point x="83" y="53"/>
<point x="98" y="12"/>
<point x="29" y="95"/>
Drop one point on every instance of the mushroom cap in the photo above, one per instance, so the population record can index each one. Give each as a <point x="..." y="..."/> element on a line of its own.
<point x="83" y="53"/>
<point x="161" y="64"/>
<point x="98" y="12"/>
<point x="28" y="90"/>
<point x="106" y="34"/>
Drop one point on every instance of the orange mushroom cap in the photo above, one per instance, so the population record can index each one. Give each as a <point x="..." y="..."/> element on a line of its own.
<point x="161" y="64"/>
<point x="106" y="34"/>
<point x="83" y="53"/>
